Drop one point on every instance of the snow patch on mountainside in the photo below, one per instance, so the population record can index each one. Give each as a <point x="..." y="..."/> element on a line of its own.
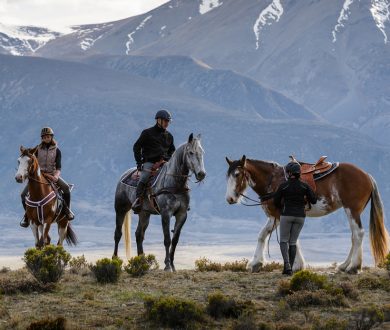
<point x="19" y="39"/>
<point x="270" y="14"/>
<point x="380" y="11"/>
<point x="87" y="35"/>
<point x="130" y="35"/>
<point x="343" y="17"/>
<point x="207" y="5"/>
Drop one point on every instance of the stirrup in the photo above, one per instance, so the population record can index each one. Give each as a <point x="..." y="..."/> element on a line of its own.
<point x="137" y="206"/>
<point x="24" y="222"/>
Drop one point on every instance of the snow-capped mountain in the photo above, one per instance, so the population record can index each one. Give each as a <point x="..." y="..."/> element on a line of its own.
<point x="24" y="40"/>
<point x="332" y="56"/>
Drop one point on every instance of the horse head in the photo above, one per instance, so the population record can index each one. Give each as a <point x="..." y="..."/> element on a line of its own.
<point x="194" y="157"/>
<point x="27" y="164"/>
<point x="237" y="178"/>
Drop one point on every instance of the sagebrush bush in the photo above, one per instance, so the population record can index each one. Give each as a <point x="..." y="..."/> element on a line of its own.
<point x="307" y="280"/>
<point x="368" y="317"/>
<point x="47" y="265"/>
<point x="305" y="298"/>
<point x="78" y="264"/>
<point x="15" y="285"/>
<point x="284" y="287"/>
<point x="330" y="324"/>
<point x="270" y="267"/>
<point x="107" y="270"/>
<point x="173" y="312"/>
<point x="206" y="265"/>
<point x="140" y="265"/>
<point x="48" y="324"/>
<point x="220" y="305"/>
<point x="247" y="322"/>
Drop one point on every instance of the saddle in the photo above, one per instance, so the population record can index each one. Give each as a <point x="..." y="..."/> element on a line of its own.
<point x="312" y="172"/>
<point x="133" y="177"/>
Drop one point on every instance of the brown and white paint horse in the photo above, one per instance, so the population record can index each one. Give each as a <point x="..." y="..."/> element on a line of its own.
<point x="348" y="187"/>
<point x="39" y="188"/>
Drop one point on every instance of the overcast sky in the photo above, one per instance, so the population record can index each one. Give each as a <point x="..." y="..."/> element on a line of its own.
<point x="57" y="14"/>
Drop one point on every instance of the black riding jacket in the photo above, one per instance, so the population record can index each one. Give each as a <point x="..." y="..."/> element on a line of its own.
<point x="293" y="193"/>
<point x="154" y="144"/>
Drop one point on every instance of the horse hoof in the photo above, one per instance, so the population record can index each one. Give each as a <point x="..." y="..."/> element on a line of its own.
<point x="256" y="267"/>
<point x="352" y="270"/>
<point x="168" y="268"/>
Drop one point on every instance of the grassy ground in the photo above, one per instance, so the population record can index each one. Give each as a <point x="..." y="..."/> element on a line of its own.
<point x="86" y="304"/>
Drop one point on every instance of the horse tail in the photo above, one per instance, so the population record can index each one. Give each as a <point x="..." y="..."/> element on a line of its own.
<point x="71" y="237"/>
<point x="379" y="236"/>
<point x="127" y="232"/>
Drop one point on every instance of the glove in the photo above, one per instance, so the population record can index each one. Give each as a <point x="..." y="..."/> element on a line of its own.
<point x="139" y="167"/>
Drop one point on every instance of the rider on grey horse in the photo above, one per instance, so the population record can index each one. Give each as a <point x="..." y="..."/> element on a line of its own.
<point x="49" y="160"/>
<point x="153" y="145"/>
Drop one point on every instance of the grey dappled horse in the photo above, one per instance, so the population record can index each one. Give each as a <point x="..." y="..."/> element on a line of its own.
<point x="172" y="196"/>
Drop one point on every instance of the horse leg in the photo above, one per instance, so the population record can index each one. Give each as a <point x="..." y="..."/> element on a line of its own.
<point x="46" y="237"/>
<point x="180" y="221"/>
<point x="143" y="223"/>
<point x="62" y="228"/>
<point x="120" y="216"/>
<point x="354" y="260"/>
<point x="299" y="262"/>
<point x="34" y="229"/>
<point x="258" y="257"/>
<point x="165" y="219"/>
<point x="41" y="241"/>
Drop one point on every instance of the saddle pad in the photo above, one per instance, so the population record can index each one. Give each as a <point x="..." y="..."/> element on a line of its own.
<point x="133" y="177"/>
<point x="321" y="175"/>
<point x="310" y="177"/>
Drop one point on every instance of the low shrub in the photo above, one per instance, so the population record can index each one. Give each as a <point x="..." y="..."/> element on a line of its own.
<point x="314" y="298"/>
<point x="173" y="312"/>
<point x="373" y="283"/>
<point x="284" y="287"/>
<point x="247" y="322"/>
<point x="307" y="280"/>
<point x="368" y="317"/>
<point x="107" y="270"/>
<point x="48" y="324"/>
<point x="79" y="265"/>
<point x="348" y="290"/>
<point x="206" y="265"/>
<point x="283" y="310"/>
<point x="236" y="266"/>
<point x="270" y="267"/>
<point x="330" y="324"/>
<point x="4" y="270"/>
<point x="15" y="285"/>
<point x="47" y="265"/>
<point x="220" y="305"/>
<point x="140" y="265"/>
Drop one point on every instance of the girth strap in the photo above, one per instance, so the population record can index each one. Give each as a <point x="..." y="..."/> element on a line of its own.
<point x="38" y="205"/>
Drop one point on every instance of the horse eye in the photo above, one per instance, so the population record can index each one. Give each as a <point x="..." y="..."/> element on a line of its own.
<point x="236" y="175"/>
<point x="192" y="153"/>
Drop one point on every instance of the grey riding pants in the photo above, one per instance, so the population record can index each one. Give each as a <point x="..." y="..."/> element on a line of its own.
<point x="290" y="227"/>
<point x="61" y="183"/>
<point x="146" y="172"/>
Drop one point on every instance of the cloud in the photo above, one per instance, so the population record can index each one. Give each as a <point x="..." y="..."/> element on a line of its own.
<point x="58" y="14"/>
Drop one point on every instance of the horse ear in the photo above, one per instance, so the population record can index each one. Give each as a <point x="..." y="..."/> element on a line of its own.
<point x="33" y="150"/>
<point x="199" y="136"/>
<point x="22" y="149"/>
<point x="243" y="160"/>
<point x="191" y="137"/>
<point x="229" y="161"/>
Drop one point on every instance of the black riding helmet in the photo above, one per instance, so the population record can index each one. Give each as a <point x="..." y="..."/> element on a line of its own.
<point x="293" y="168"/>
<point x="163" y="114"/>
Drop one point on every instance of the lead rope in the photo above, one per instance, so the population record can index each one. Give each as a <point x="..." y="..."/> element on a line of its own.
<point x="277" y="236"/>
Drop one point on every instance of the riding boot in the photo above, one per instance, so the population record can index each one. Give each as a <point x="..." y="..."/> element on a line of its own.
<point x="287" y="267"/>
<point x="24" y="223"/>
<point x="67" y="209"/>
<point x="292" y="251"/>
<point x="137" y="206"/>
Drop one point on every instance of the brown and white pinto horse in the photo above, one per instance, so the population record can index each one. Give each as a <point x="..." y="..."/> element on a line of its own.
<point x="348" y="187"/>
<point x="42" y="195"/>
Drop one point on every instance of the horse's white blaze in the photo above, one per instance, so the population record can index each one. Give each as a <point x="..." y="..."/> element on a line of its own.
<point x="231" y="195"/>
<point x="318" y="209"/>
<point x="22" y="168"/>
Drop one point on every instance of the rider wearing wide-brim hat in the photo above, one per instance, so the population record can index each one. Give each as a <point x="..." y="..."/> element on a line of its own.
<point x="49" y="160"/>
<point x="154" y="144"/>
<point x="291" y="198"/>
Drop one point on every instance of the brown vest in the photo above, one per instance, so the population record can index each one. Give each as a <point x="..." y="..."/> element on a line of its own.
<point x="47" y="159"/>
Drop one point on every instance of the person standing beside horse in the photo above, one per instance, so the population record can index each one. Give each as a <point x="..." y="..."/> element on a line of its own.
<point x="49" y="160"/>
<point x="155" y="145"/>
<point x="290" y="199"/>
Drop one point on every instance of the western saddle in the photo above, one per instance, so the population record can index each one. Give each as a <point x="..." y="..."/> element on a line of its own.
<point x="308" y="170"/>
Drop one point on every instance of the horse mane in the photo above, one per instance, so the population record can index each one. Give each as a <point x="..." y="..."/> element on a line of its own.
<point x="255" y="162"/>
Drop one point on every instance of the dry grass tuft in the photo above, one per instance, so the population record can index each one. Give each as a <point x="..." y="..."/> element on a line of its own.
<point x="220" y="306"/>
<point x="315" y="298"/>
<point x="48" y="324"/>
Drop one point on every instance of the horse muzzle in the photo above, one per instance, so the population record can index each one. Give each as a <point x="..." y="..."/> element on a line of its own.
<point x="19" y="178"/>
<point x="200" y="175"/>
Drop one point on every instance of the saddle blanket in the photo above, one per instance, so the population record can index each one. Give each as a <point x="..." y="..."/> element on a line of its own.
<point x="132" y="178"/>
